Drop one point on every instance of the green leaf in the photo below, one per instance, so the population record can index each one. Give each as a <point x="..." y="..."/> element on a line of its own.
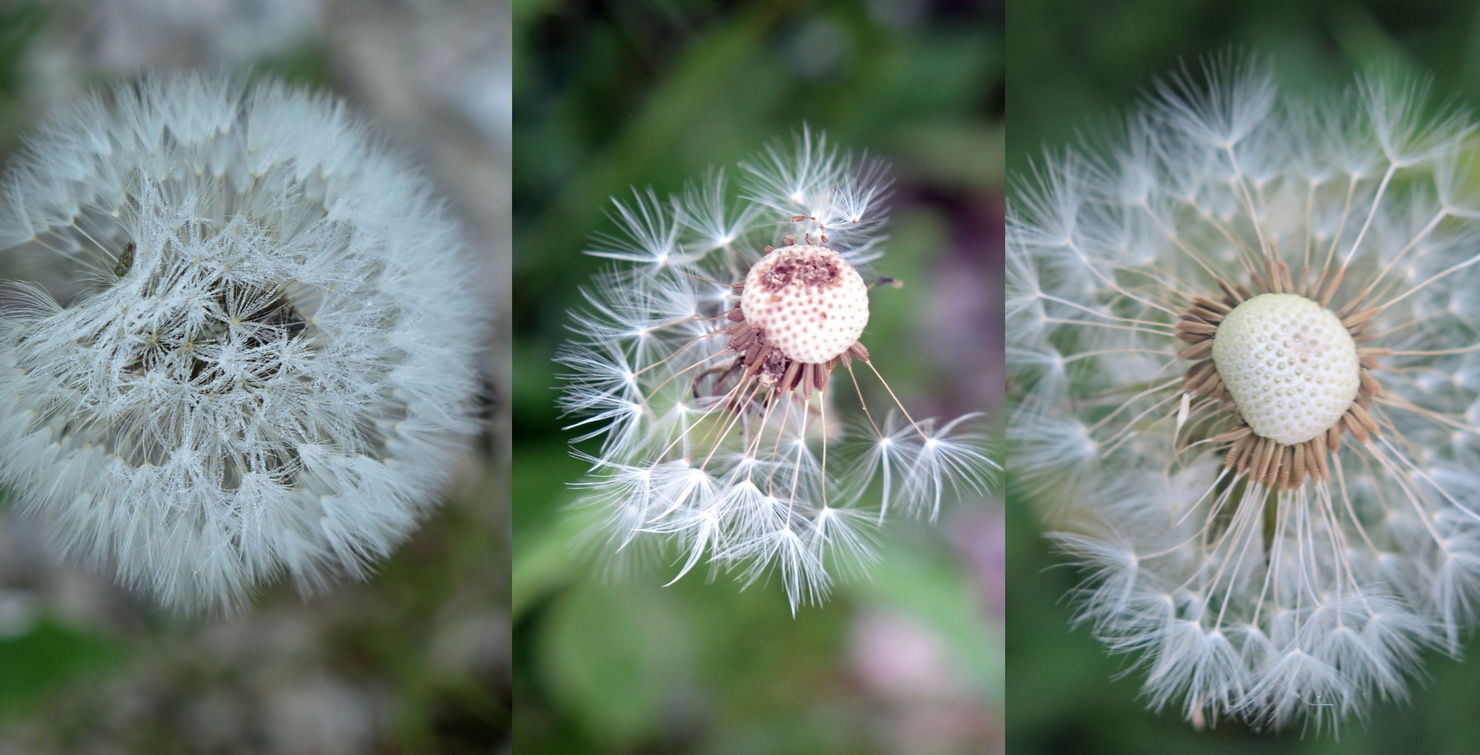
<point x="42" y="658"/>
<point x="545" y="560"/>
<point x="613" y="657"/>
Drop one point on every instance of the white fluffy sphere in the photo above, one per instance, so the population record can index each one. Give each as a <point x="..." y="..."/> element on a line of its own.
<point x="240" y="341"/>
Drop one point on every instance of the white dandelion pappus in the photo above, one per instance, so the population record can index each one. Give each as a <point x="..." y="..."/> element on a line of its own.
<point x="1243" y="346"/>
<point x="241" y="341"/>
<point x="706" y="364"/>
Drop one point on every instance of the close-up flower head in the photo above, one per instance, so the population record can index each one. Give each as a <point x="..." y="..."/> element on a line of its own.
<point x="239" y="341"/>
<point x="1242" y="351"/>
<point x="719" y="371"/>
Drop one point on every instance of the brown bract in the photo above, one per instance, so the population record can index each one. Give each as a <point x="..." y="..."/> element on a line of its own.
<point x="805" y="300"/>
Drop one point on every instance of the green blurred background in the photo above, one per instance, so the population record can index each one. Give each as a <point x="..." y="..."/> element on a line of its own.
<point x="1076" y="65"/>
<point x="609" y="95"/>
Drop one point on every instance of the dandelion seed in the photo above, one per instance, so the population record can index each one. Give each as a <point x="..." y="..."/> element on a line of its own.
<point x="1242" y="344"/>
<point x="708" y="367"/>
<point x="241" y="342"/>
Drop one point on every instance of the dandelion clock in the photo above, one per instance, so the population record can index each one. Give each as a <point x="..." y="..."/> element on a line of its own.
<point x="238" y="340"/>
<point x="721" y="378"/>
<point x="1243" y="349"/>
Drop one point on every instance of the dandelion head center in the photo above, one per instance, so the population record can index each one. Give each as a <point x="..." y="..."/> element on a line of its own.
<point x="808" y="301"/>
<point x="1290" y="365"/>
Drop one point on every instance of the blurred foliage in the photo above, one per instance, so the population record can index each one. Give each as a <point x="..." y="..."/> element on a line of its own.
<point x="611" y="95"/>
<point x="1074" y="65"/>
<point x="20" y="25"/>
<point x="1073" y="69"/>
<point x="43" y="655"/>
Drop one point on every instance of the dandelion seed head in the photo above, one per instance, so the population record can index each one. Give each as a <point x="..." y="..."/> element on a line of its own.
<point x="1243" y="389"/>
<point x="779" y="479"/>
<point x="242" y="341"/>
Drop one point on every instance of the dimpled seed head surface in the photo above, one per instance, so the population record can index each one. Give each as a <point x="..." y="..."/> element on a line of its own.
<point x="810" y="303"/>
<point x="1290" y="364"/>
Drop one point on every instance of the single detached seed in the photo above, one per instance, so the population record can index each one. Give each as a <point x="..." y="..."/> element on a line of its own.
<point x="810" y="303"/>
<point x="1290" y="365"/>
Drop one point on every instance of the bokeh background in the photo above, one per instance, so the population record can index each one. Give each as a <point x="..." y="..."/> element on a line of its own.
<point x="613" y="94"/>
<point x="417" y="659"/>
<point x="1073" y="68"/>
